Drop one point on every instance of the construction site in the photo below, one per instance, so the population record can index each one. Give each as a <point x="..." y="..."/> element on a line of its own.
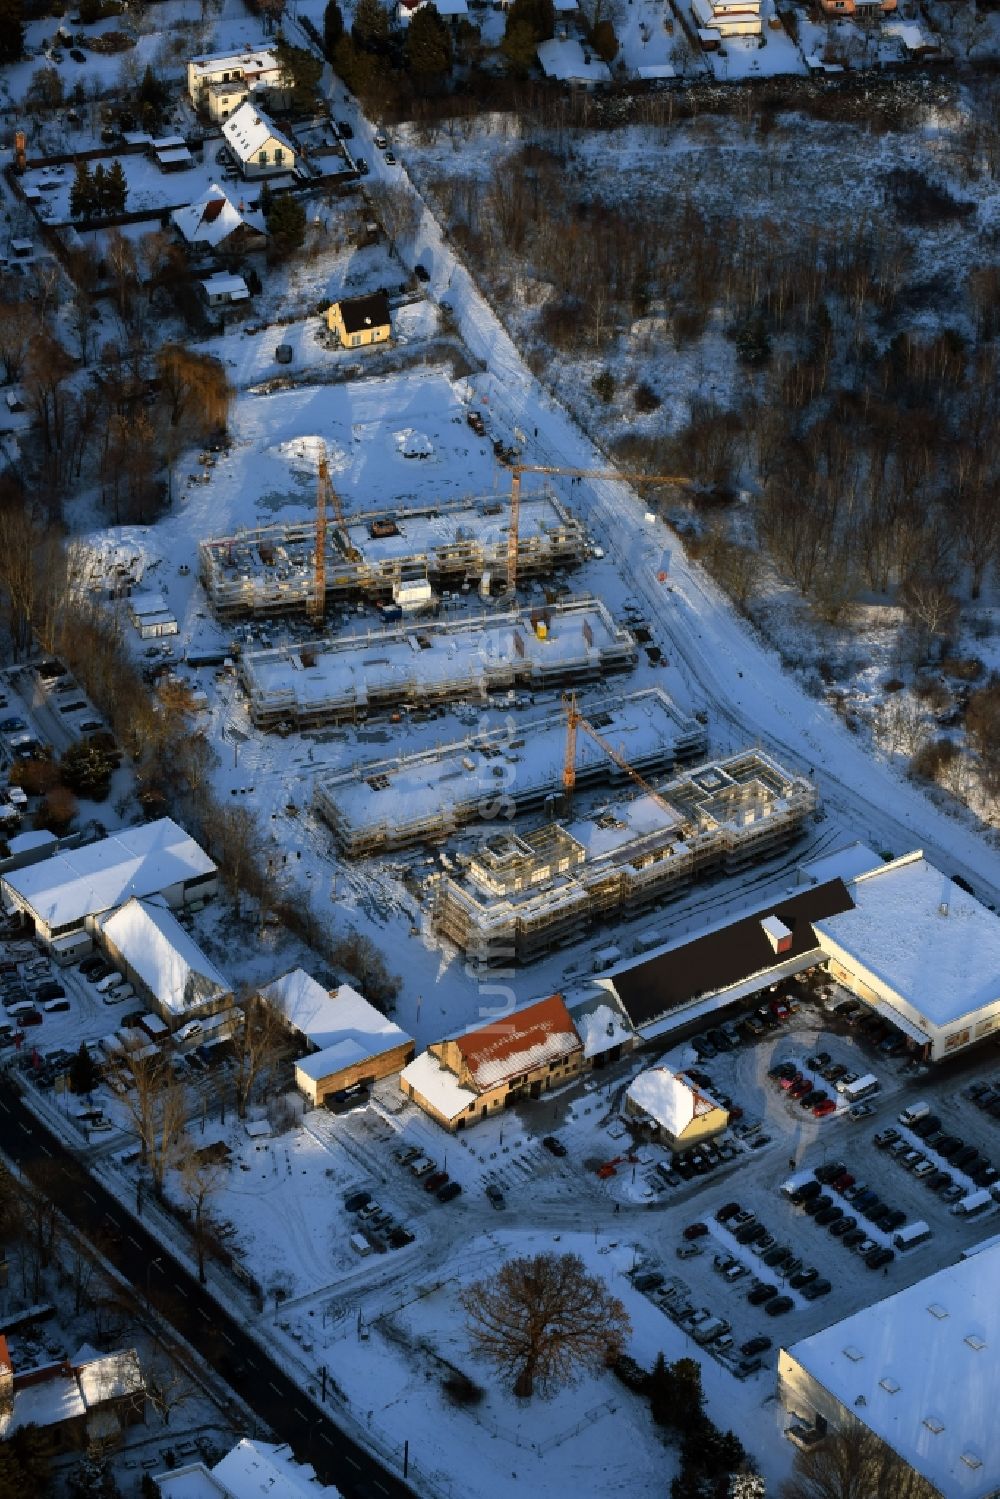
<point x="425" y="798"/>
<point x="346" y="679"/>
<point x="520" y="895"/>
<point x="405" y="557"/>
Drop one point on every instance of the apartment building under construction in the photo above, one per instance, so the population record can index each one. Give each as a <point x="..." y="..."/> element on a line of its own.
<point x="334" y="680"/>
<point x="379" y="555"/>
<point x="390" y="804"/>
<point x="522" y="894"/>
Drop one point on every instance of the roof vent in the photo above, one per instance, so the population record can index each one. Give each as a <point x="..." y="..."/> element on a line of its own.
<point x="971" y="1460"/>
<point x="861" y="1400"/>
<point x="975" y="1341"/>
<point x="889" y="1385"/>
<point x="933" y="1424"/>
<point x="943" y="908"/>
<point x="940" y="1312"/>
<point x="854" y="1354"/>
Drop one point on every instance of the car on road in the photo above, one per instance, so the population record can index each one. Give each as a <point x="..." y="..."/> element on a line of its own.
<point x="759" y="1344"/>
<point x="861" y="1110"/>
<point x="449" y="1192"/>
<point x="381" y="141"/>
<point x="695" y="1230"/>
<point x="495" y="1196"/>
<point x="554" y="1145"/>
<point x="355" y="1201"/>
<point x="778" y="1306"/>
<point x="361" y="166"/>
<point x="390" y="159"/>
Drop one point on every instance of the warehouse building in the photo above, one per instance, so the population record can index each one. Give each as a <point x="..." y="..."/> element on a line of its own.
<point x="163" y="962"/>
<point x="920" y="1370"/>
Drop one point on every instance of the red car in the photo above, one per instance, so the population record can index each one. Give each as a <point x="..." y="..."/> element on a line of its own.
<point x="695" y="1230"/>
<point x="790" y="1082"/>
<point x="800" y="1089"/>
<point x="845" y="1179"/>
<point x="826" y="1107"/>
<point x="780" y="1009"/>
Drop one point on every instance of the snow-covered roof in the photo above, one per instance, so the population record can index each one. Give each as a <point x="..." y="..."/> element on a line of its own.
<point x="669" y="1099"/>
<point x="341" y="1021"/>
<point x="922" y="1369"/>
<point x="165" y="957"/>
<point x="212" y="219"/>
<point x="172" y="156"/>
<point x="23" y="843"/>
<point x="843" y="864"/>
<point x="565" y="59"/>
<point x="141" y="861"/>
<point x="438" y="1085"/>
<point x="224" y="284"/>
<point x="253" y="60"/>
<point x="46" y="1403"/>
<point x="250" y="1470"/>
<point x="923" y="936"/>
<point x="248" y="130"/>
<point x="600" y="1023"/>
<point x="523" y="1040"/>
<point x="110" y="1376"/>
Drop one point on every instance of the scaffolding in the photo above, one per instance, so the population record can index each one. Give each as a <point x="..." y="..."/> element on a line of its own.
<point x="521" y="895"/>
<point x="347" y="679"/>
<point x="426" y="798"/>
<point x="272" y="570"/>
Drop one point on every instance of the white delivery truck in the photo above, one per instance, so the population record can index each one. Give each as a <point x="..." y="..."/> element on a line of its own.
<point x="862" y="1087"/>
<point x="912" y="1235"/>
<point x="974" y="1204"/>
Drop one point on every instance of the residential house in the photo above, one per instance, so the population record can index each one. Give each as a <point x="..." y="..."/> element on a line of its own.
<point x="360" y="321"/>
<point x="451" y="11"/>
<point x="720" y="20"/>
<point x="604" y="1029"/>
<point x="672" y="1109"/>
<point x="215" y="222"/>
<point x="348" y="1041"/>
<point x="248" y="1471"/>
<point x="224" y="290"/>
<point x="859" y="10"/>
<point x="258" y="146"/>
<point x="89" y="1398"/>
<point x="468" y="1077"/>
<point x="219" y="83"/>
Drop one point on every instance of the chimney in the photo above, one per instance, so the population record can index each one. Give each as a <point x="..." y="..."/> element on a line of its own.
<point x="943" y="908"/>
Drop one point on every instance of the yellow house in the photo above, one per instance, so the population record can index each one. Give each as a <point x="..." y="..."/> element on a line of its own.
<point x="361" y="321"/>
<point x="676" y="1113"/>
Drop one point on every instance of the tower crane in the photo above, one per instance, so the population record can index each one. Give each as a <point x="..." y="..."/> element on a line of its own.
<point x="517" y="469"/>
<point x="326" y="498"/>
<point x="574" y="721"/>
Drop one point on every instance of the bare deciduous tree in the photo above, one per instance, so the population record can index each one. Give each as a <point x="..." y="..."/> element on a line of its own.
<point x="156" y="1102"/>
<point x="542" y="1319"/>
<point x="257" y="1048"/>
<point x="854" y="1464"/>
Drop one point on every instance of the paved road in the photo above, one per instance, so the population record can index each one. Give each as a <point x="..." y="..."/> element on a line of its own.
<point x="216" y="1334"/>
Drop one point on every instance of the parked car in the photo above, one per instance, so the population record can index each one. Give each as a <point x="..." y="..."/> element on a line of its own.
<point x="830" y="1171"/>
<point x="695" y="1230"/>
<point x="50" y="989"/>
<point x="729" y="1210"/>
<point x="761" y="1293"/>
<point x="778" y="1306"/>
<point x="802" y="1278"/>
<point x="829" y="1215"/>
<point x="553" y="1144"/>
<point x="853" y="1238"/>
<point x="816" y="1288"/>
<point x="495" y="1196"/>
<point x="449" y="1191"/>
<point x="345" y="130"/>
<point x="435" y="1181"/>
<point x="843" y="1226"/>
<point x="879" y="1257"/>
<point x="816" y="1204"/>
<point x="759" y="1344"/>
<point x="355" y="1201"/>
<point x="422" y="1166"/>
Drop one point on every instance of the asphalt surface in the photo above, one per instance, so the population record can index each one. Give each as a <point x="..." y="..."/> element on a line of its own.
<point x="176" y="1294"/>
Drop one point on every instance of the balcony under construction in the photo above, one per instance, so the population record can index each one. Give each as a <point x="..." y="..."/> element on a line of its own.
<point x="349" y="678"/>
<point x="376" y="555"/>
<point x="522" y="895"/>
<point x="427" y="797"/>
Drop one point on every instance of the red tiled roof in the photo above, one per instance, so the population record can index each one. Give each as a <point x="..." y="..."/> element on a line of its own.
<point x="520" y="1041"/>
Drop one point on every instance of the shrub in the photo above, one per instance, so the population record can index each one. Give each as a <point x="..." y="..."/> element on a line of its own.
<point x="461" y="1390"/>
<point x="965" y="668"/>
<point x="646" y="399"/>
<point x="931" y="759"/>
<point x="603" y="386"/>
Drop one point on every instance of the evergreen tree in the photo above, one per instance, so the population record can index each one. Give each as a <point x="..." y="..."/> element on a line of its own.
<point x="286" y="224"/>
<point x="604" y="41"/>
<point x="82" y="204"/>
<point x="333" y="28"/>
<point x="82" y="1072"/>
<point x="371" y="26"/>
<point x="115" y="189"/>
<point x="427" y="49"/>
<point x="300" y="75"/>
<point x="11" y="31"/>
<point x="100" y="184"/>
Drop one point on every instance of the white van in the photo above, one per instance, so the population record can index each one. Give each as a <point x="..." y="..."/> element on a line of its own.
<point x="862" y="1087"/>
<point x="974" y="1204"/>
<point x="914" y="1112"/>
<point x="110" y="981"/>
<point x="360" y="1245"/>
<point x="912" y="1235"/>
